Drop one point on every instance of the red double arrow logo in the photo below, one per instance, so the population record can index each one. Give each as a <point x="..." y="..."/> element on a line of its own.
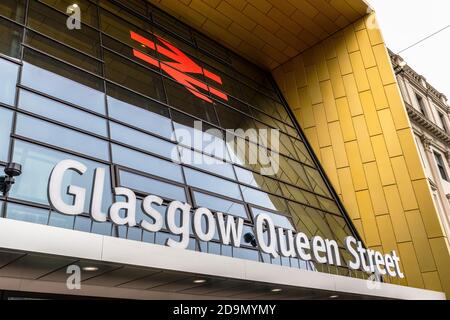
<point x="178" y="67"/>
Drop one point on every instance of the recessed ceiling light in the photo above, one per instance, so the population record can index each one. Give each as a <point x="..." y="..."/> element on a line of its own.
<point x="334" y="297"/>
<point x="276" y="290"/>
<point x="200" y="281"/>
<point x="90" y="269"/>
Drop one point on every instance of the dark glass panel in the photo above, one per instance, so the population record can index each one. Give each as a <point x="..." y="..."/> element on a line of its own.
<point x="135" y="77"/>
<point x="13" y="9"/>
<point x="180" y="97"/>
<point x="59" y="51"/>
<point x="188" y="129"/>
<point x="87" y="8"/>
<point x="53" y="24"/>
<point x="170" y="23"/>
<point x="11" y="37"/>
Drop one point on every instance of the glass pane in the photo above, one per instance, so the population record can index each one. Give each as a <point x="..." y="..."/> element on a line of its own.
<point x="163" y="19"/>
<point x="220" y="205"/>
<point x="83" y="224"/>
<point x="62" y="81"/>
<point x="13" y="9"/>
<point x="38" y="162"/>
<point x="88" y="9"/>
<point x="10" y="39"/>
<point x="6" y="117"/>
<point x="181" y="98"/>
<point x="122" y="13"/>
<point x="263" y="199"/>
<point x="206" y="163"/>
<point x="120" y="38"/>
<point x="137" y="78"/>
<point x="27" y="214"/>
<point x="8" y="80"/>
<point x="144" y="141"/>
<point x="278" y="220"/>
<point x="317" y="182"/>
<point x="146" y="163"/>
<point x="258" y="181"/>
<point x="57" y="111"/>
<point x="67" y="54"/>
<point x="62" y="137"/>
<point x="54" y="25"/>
<point x="212" y="184"/>
<point x="314" y="222"/>
<point x="138" y="111"/>
<point x="61" y="220"/>
<point x="247" y="254"/>
<point x="152" y="186"/>
<point x="200" y="136"/>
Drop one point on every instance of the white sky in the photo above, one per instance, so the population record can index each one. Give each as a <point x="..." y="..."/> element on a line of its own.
<point x="404" y="22"/>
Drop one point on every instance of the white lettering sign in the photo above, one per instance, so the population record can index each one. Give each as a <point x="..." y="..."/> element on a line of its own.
<point x="270" y="238"/>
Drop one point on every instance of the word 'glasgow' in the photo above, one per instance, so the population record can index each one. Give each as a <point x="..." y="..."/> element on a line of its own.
<point x="270" y="239"/>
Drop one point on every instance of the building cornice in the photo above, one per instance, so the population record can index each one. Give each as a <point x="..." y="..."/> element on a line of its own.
<point x="422" y="121"/>
<point x="421" y="83"/>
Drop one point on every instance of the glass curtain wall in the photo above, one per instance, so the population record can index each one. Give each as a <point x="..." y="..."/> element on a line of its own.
<point x="111" y="95"/>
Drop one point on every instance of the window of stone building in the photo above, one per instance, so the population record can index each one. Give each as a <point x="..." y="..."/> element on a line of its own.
<point x="441" y="166"/>
<point x="443" y="123"/>
<point x="421" y="104"/>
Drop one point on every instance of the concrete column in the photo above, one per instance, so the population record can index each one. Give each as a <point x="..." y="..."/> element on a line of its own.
<point x="445" y="216"/>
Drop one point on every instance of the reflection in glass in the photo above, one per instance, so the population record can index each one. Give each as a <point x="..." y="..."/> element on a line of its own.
<point x="61" y="220"/>
<point x="220" y="205"/>
<point x="263" y="199"/>
<point x="38" y="162"/>
<point x="48" y="108"/>
<point x="152" y="186"/>
<point x="212" y="184"/>
<point x="207" y="163"/>
<point x="136" y="77"/>
<point x="62" y="52"/>
<point x="88" y="9"/>
<point x="144" y="141"/>
<point x="5" y="132"/>
<point x="27" y="214"/>
<point x="62" y="137"/>
<point x="138" y="111"/>
<point x="13" y="9"/>
<point x="8" y="80"/>
<point x="53" y="24"/>
<point x="62" y="81"/>
<point x="146" y="163"/>
<point x="278" y="220"/>
<point x="179" y="97"/>
<point x="10" y="39"/>
<point x="199" y="136"/>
